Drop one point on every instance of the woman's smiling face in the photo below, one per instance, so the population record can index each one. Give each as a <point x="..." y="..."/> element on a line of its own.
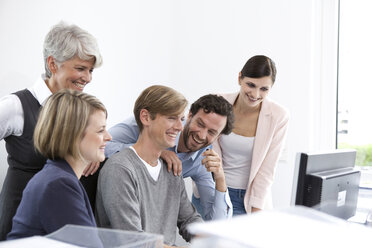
<point x="254" y="90"/>
<point x="72" y="74"/>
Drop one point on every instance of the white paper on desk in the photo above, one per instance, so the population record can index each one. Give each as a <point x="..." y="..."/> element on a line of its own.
<point x="299" y="227"/>
<point x="36" y="241"/>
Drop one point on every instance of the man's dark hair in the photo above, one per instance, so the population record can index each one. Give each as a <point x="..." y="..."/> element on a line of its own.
<point x="215" y="104"/>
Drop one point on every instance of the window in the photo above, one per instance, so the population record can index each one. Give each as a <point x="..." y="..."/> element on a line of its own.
<point x="354" y="128"/>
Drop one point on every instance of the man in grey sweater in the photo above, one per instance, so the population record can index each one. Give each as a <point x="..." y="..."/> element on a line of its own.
<point x="135" y="191"/>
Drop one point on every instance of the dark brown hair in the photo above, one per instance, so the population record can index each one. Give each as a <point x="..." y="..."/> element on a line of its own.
<point x="259" y="66"/>
<point x="215" y="104"/>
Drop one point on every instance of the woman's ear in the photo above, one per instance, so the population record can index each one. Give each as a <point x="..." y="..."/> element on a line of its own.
<point x="240" y="75"/>
<point x="52" y="65"/>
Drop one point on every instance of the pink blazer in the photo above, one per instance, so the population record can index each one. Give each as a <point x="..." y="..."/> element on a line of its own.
<point x="270" y="135"/>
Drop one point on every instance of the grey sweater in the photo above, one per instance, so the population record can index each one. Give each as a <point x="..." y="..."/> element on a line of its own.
<point x="128" y="198"/>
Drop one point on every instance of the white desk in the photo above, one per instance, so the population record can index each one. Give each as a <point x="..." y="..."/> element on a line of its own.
<point x="364" y="206"/>
<point x="288" y="228"/>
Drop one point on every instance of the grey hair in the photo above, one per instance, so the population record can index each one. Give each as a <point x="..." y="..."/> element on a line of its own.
<point x="63" y="42"/>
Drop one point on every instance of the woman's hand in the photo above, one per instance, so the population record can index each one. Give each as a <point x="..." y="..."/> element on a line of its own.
<point x="253" y="209"/>
<point x="91" y="169"/>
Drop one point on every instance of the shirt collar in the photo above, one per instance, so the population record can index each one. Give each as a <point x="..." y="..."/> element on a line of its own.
<point x="40" y="90"/>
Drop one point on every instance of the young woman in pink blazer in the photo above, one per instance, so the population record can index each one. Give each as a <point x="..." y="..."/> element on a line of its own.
<point x="250" y="153"/>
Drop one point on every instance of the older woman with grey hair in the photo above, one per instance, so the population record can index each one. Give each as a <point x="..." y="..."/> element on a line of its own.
<point x="70" y="55"/>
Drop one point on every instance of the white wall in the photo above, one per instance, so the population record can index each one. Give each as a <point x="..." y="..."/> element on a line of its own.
<point x="195" y="46"/>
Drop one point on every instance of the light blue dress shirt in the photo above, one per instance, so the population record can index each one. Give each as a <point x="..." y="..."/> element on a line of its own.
<point x="215" y="204"/>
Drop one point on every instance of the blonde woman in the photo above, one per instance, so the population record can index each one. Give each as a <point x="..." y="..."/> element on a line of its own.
<point x="71" y="133"/>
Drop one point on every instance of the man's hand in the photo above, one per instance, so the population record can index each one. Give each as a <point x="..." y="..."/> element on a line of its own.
<point x="172" y="161"/>
<point x="91" y="169"/>
<point x="212" y="163"/>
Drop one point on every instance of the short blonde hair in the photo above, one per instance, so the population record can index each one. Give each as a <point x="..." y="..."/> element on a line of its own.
<point x="159" y="99"/>
<point x="62" y="123"/>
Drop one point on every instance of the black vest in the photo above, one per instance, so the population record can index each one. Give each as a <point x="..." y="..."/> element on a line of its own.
<point x="21" y="152"/>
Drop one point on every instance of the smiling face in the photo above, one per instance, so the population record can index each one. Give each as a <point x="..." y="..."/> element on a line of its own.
<point x="164" y="130"/>
<point x="72" y="74"/>
<point x="201" y="130"/>
<point x="254" y="90"/>
<point x="92" y="146"/>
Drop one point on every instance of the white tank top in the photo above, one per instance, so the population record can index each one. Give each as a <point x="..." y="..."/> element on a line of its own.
<point x="237" y="159"/>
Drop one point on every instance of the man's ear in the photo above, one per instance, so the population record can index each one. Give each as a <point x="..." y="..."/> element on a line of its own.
<point x="240" y="75"/>
<point x="189" y="115"/>
<point x="52" y="65"/>
<point x="145" y="117"/>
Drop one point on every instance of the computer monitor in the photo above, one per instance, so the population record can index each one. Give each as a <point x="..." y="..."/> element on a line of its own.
<point x="327" y="182"/>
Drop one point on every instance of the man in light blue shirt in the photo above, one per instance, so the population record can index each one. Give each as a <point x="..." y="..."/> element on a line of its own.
<point x="209" y="117"/>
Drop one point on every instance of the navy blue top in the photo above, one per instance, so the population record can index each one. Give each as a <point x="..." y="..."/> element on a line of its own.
<point x="53" y="198"/>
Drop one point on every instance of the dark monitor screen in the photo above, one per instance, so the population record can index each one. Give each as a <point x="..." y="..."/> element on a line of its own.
<point x="327" y="182"/>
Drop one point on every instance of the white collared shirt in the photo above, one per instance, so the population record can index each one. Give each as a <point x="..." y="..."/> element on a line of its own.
<point x="11" y="111"/>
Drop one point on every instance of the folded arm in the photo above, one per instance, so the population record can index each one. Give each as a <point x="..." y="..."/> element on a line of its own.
<point x="215" y="200"/>
<point x="216" y="204"/>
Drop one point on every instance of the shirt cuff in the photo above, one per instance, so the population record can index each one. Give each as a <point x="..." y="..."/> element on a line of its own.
<point x="223" y="203"/>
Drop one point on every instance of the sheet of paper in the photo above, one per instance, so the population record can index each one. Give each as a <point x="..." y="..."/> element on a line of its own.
<point x="36" y="241"/>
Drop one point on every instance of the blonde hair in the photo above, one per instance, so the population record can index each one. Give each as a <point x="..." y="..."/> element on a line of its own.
<point x="62" y="122"/>
<point x="159" y="99"/>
